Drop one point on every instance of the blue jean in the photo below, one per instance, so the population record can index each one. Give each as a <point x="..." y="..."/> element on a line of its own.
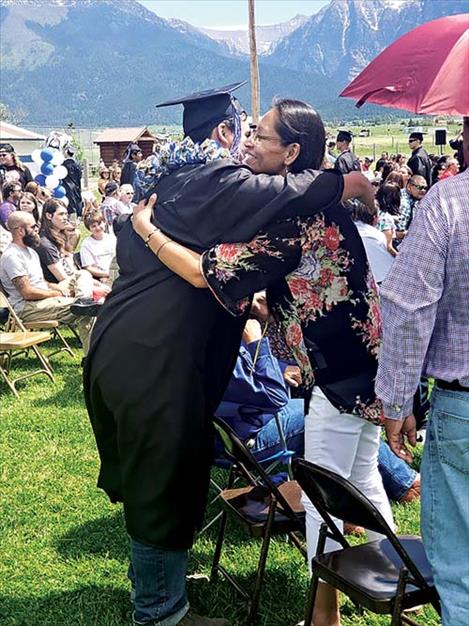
<point x="158" y="580"/>
<point x="292" y="418"/>
<point x="398" y="477"/>
<point x="445" y="502"/>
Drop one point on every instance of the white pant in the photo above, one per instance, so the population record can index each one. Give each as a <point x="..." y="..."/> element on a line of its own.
<point x="347" y="445"/>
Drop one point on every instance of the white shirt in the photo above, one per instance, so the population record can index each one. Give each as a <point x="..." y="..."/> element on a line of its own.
<point x="379" y="258"/>
<point x="16" y="262"/>
<point x="98" y="252"/>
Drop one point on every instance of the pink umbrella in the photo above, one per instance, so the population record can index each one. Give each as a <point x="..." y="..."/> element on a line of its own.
<point x="424" y="71"/>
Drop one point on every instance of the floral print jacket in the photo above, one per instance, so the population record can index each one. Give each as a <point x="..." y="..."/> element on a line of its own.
<point x="322" y="294"/>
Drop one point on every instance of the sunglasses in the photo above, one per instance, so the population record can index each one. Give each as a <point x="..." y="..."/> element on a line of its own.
<point x="419" y="187"/>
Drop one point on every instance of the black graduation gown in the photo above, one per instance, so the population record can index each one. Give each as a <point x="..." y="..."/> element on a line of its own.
<point x="128" y="173"/>
<point x="72" y="184"/>
<point x="420" y="164"/>
<point x="347" y="162"/>
<point x="162" y="351"/>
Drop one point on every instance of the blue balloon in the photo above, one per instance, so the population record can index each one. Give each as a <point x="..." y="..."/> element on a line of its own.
<point x="59" y="192"/>
<point x="47" y="169"/>
<point x="41" y="180"/>
<point x="47" y="155"/>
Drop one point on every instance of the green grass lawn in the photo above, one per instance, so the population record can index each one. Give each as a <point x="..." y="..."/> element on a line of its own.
<point x="64" y="548"/>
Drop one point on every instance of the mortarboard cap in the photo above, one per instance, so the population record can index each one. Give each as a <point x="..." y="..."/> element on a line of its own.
<point x="205" y="109"/>
<point x="344" y="135"/>
<point x="418" y="136"/>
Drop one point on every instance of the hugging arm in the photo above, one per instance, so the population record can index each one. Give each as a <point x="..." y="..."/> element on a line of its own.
<point x="231" y="271"/>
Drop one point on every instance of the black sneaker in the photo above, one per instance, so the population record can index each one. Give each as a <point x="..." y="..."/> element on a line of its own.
<point x="85" y="307"/>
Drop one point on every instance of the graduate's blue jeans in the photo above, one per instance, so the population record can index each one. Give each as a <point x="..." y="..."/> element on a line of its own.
<point x="445" y="502"/>
<point x="158" y="580"/>
<point x="292" y="418"/>
<point x="398" y="477"/>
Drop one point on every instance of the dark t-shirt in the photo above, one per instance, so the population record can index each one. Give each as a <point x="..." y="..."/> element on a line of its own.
<point x="49" y="254"/>
<point x="24" y="176"/>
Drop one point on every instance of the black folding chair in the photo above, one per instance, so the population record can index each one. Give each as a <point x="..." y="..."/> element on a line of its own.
<point x="263" y="508"/>
<point x="386" y="576"/>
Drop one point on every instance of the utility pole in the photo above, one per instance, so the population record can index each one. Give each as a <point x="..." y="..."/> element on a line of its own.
<point x="254" y="63"/>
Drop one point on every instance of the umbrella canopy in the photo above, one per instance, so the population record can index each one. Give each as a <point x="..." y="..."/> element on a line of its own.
<point x="424" y="71"/>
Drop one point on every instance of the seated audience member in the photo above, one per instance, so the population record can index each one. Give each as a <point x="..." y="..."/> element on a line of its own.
<point x="457" y="144"/>
<point x="438" y="168"/>
<point x="32" y="297"/>
<point x="380" y="162"/>
<point x="374" y="240"/>
<point x="97" y="250"/>
<point x="90" y="203"/>
<point x="111" y="206"/>
<point x="414" y="191"/>
<point x="13" y="171"/>
<point x="387" y="168"/>
<point x="256" y="392"/>
<point x="126" y="193"/>
<point x="400" y="159"/>
<point x="389" y="202"/>
<point x="400" y="481"/>
<point x="11" y="193"/>
<point x="115" y="171"/>
<point x="451" y="169"/>
<point x="104" y="178"/>
<point x="28" y="202"/>
<point x="406" y="172"/>
<point x="366" y="168"/>
<point x="54" y="251"/>
<point x="330" y="155"/>
<point x="32" y="187"/>
<point x="396" y="178"/>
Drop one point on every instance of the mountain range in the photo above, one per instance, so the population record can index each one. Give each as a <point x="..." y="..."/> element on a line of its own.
<point x="108" y="62"/>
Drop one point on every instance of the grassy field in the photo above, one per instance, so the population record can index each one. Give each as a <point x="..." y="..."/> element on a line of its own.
<point x="64" y="547"/>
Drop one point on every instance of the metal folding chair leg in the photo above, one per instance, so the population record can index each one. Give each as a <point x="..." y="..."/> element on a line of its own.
<point x="254" y="604"/>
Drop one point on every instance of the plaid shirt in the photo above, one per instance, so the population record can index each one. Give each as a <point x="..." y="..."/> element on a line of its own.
<point x="425" y="303"/>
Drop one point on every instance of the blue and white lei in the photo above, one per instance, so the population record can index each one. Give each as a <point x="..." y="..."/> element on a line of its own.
<point x="172" y="155"/>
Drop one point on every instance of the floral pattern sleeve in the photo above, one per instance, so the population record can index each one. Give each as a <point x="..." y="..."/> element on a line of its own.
<point x="234" y="271"/>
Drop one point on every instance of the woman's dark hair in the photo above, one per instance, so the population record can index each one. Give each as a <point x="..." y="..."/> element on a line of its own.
<point x="395" y="178"/>
<point x="299" y="123"/>
<point x="57" y="237"/>
<point x="363" y="213"/>
<point x="389" y="199"/>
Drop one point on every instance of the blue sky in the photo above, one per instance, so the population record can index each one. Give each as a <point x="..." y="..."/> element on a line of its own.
<point x="226" y="13"/>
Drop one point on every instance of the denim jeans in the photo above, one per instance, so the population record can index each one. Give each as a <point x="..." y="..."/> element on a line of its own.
<point x="445" y="502"/>
<point x="158" y="580"/>
<point x="292" y="418"/>
<point x="398" y="477"/>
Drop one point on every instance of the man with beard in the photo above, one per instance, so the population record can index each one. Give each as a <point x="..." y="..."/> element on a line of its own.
<point x="32" y="297"/>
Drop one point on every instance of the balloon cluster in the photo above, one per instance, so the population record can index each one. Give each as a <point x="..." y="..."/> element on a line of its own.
<point x="49" y="161"/>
